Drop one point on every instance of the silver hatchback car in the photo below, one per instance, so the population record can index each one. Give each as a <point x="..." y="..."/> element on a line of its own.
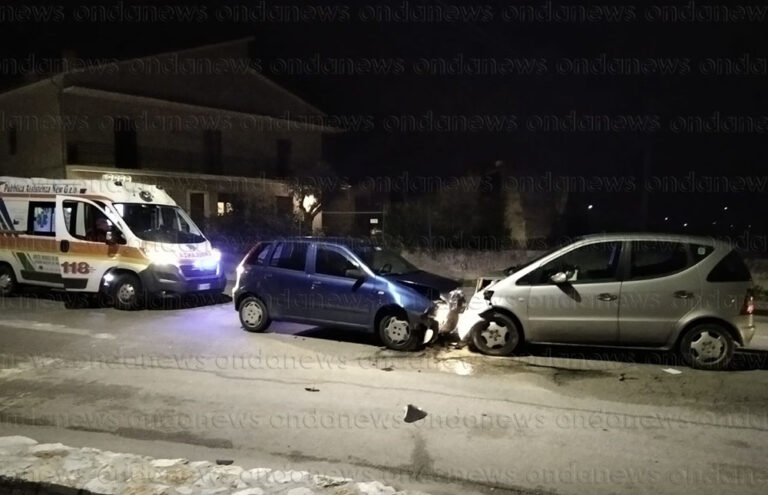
<point x="651" y="291"/>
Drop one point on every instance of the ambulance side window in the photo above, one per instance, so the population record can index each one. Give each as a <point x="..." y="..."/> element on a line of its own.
<point x="86" y="222"/>
<point x="41" y="219"/>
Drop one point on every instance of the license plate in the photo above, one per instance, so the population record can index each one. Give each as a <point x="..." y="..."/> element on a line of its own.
<point x="203" y="286"/>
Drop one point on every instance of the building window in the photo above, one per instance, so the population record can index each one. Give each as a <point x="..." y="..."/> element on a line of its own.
<point x="13" y="143"/>
<point x="284" y="205"/>
<point x="197" y="202"/>
<point x="224" y="208"/>
<point x="283" y="164"/>
<point x="212" y="147"/>
<point x="73" y="153"/>
<point x="225" y="204"/>
<point x="126" y="146"/>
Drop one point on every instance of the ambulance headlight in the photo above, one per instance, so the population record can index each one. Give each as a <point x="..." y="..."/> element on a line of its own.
<point x="211" y="261"/>
<point x="161" y="257"/>
<point x="215" y="255"/>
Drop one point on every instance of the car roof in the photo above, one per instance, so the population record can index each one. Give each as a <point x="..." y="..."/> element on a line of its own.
<point x="651" y="236"/>
<point x="350" y="242"/>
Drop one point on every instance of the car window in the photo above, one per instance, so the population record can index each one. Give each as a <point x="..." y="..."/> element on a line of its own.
<point x="42" y="219"/>
<point x="86" y="222"/>
<point x="700" y="251"/>
<point x="730" y="269"/>
<point x="597" y="262"/>
<point x="331" y="262"/>
<point x="290" y="255"/>
<point x="258" y="255"/>
<point x="384" y="261"/>
<point x="651" y="259"/>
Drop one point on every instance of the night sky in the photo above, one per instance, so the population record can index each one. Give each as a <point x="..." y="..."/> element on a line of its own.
<point x="682" y="90"/>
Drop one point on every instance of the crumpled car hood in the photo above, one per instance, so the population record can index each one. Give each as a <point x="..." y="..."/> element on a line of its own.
<point x="425" y="283"/>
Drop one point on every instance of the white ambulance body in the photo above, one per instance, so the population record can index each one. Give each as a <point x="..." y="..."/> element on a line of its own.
<point x="123" y="240"/>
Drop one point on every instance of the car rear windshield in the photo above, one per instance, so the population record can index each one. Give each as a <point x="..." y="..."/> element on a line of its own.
<point x="258" y="254"/>
<point x="730" y="269"/>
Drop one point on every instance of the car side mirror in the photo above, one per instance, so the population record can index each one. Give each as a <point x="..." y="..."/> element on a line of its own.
<point x="355" y="273"/>
<point x="559" y="278"/>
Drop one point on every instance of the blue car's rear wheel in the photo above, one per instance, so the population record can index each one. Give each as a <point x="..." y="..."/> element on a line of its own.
<point x="254" y="315"/>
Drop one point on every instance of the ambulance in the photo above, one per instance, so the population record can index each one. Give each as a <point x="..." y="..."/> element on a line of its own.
<point x="115" y="238"/>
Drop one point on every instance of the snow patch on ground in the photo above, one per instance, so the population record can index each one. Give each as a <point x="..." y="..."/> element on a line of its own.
<point x="107" y="473"/>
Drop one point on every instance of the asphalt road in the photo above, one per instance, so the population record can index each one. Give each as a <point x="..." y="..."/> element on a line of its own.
<point x="190" y="383"/>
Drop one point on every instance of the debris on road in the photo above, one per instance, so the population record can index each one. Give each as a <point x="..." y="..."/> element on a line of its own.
<point x="672" y="371"/>
<point x="311" y="389"/>
<point x="60" y="469"/>
<point x="388" y="368"/>
<point x="224" y="462"/>
<point x="623" y="376"/>
<point x="413" y="414"/>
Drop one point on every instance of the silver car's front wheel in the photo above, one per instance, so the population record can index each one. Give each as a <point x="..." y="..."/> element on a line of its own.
<point x="707" y="346"/>
<point x="498" y="335"/>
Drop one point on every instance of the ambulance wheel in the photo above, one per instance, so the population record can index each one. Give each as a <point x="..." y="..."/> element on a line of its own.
<point x="127" y="292"/>
<point x="7" y="281"/>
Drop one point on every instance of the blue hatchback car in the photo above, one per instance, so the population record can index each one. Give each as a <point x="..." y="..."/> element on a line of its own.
<point x="343" y="283"/>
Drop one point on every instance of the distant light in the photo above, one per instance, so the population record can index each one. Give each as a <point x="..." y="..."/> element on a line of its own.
<point x="589" y="207"/>
<point x="725" y="208"/>
<point x="731" y="225"/>
<point x="308" y="202"/>
<point x="749" y="226"/>
<point x="666" y="219"/>
<point x="714" y="223"/>
<point x="685" y="224"/>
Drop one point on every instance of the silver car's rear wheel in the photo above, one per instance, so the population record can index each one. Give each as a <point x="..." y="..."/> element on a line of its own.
<point x="707" y="346"/>
<point x="499" y="335"/>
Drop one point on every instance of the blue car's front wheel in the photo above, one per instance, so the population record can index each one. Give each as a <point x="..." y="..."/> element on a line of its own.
<point x="396" y="332"/>
<point x="253" y="314"/>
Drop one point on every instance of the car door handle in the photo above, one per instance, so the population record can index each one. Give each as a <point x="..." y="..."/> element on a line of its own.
<point x="607" y="297"/>
<point x="683" y="294"/>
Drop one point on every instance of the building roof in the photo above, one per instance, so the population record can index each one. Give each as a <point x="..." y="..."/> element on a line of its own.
<point x="219" y="76"/>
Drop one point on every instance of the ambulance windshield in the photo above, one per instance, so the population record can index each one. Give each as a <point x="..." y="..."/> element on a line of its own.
<point x="160" y="223"/>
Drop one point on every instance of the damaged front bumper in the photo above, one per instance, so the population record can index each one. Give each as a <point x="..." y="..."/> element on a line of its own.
<point x="444" y="314"/>
<point x="472" y="315"/>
